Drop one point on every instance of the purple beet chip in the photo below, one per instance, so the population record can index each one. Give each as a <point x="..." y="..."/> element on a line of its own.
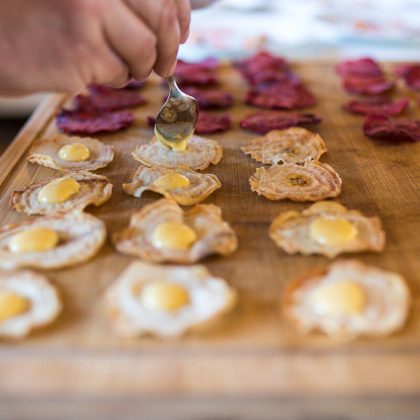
<point x="386" y="128"/>
<point x="263" y="122"/>
<point x="85" y="122"/>
<point x="377" y="106"/>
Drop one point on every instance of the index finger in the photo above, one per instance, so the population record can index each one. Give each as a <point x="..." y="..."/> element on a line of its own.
<point x="184" y="17"/>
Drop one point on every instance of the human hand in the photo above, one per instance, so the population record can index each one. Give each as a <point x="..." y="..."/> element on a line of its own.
<point x="63" y="45"/>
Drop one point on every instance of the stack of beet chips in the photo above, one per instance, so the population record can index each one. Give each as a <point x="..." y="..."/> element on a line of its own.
<point x="365" y="77"/>
<point x="102" y="110"/>
<point x="272" y="85"/>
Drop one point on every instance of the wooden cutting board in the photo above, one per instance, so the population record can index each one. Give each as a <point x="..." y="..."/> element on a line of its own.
<point x="253" y="363"/>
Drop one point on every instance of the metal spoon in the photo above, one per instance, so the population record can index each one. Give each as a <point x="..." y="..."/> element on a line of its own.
<point x="176" y="120"/>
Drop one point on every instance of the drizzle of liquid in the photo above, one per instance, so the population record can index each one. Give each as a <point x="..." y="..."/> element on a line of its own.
<point x="164" y="296"/>
<point x="338" y="299"/>
<point x="11" y="305"/>
<point x="58" y="191"/>
<point x="177" y="143"/>
<point x="332" y="232"/>
<point x="171" y="181"/>
<point x="74" y="152"/>
<point x="173" y="235"/>
<point x="34" y="240"/>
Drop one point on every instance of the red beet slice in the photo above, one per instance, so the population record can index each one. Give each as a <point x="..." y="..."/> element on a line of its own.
<point x="361" y="67"/>
<point x="281" y="96"/>
<point x="263" y="122"/>
<point x="85" y="122"/>
<point x="412" y="77"/>
<point x="105" y="98"/>
<point x="212" y="123"/>
<point x="377" y="106"/>
<point x="210" y="99"/>
<point x="135" y="84"/>
<point x="207" y="123"/>
<point x="367" y="85"/>
<point x="386" y="128"/>
<point x="196" y="74"/>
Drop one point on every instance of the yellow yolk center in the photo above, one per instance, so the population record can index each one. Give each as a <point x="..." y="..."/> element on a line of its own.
<point x="74" y="152"/>
<point x="174" y="235"/>
<point x="34" y="240"/>
<point x="171" y="181"/>
<point x="341" y="298"/>
<point x="58" y="191"/>
<point x="332" y="232"/>
<point x="11" y="305"/>
<point x="164" y="296"/>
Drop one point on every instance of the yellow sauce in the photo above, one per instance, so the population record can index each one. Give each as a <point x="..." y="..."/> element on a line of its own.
<point x="341" y="298"/>
<point x="178" y="146"/>
<point x="58" y="191"/>
<point x="12" y="305"/>
<point x="332" y="232"/>
<point x="74" y="152"/>
<point x="173" y="235"/>
<point x="171" y="181"/>
<point x="37" y="239"/>
<point x="164" y="296"/>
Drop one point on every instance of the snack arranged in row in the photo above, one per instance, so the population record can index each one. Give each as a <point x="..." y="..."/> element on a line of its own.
<point x="364" y="76"/>
<point x="346" y="299"/>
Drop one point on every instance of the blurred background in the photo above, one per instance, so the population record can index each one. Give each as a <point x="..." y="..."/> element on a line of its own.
<point x="300" y="30"/>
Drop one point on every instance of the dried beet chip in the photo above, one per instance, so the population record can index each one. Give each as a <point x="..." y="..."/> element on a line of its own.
<point x="105" y="98"/>
<point x="135" y="84"/>
<point x="377" y="106"/>
<point x="85" y="122"/>
<point x="361" y="67"/>
<point x="196" y="74"/>
<point x="412" y="77"/>
<point x="281" y="96"/>
<point x="367" y="85"/>
<point x="261" y="61"/>
<point x="387" y="128"/>
<point x="212" y="123"/>
<point x="210" y="99"/>
<point x="207" y="123"/>
<point x="263" y="122"/>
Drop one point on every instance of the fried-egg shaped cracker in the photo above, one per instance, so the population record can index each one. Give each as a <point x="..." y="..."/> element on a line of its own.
<point x="312" y="181"/>
<point x="166" y="301"/>
<point x="200" y="152"/>
<point x="27" y="301"/>
<point x="164" y="232"/>
<point x="73" y="153"/>
<point x="53" y="241"/>
<point x="327" y="228"/>
<point x="348" y="299"/>
<point x="184" y="185"/>
<point x="292" y="145"/>
<point x="73" y="191"/>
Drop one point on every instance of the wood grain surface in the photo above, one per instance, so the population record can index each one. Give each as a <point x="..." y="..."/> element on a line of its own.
<point x="253" y="364"/>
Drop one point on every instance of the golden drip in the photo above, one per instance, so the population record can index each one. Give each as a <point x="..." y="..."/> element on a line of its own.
<point x="74" y="152"/>
<point x="332" y="232"/>
<point x="12" y="305"/>
<point x="37" y="239"/>
<point x="173" y="235"/>
<point x="171" y="181"/>
<point x="58" y="191"/>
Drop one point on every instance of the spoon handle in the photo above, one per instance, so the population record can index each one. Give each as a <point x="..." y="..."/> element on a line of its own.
<point x="173" y="87"/>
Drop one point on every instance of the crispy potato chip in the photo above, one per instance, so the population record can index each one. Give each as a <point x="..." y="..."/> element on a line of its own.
<point x="327" y="228"/>
<point x="80" y="236"/>
<point x="348" y="299"/>
<point x="46" y="153"/>
<point x="210" y="234"/>
<point x="292" y="145"/>
<point x="197" y="187"/>
<point x="199" y="154"/>
<point x="93" y="189"/>
<point x="29" y="301"/>
<point x="140" y="301"/>
<point x="313" y="181"/>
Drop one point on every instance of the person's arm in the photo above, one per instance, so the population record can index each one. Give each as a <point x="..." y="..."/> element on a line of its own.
<point x="63" y="45"/>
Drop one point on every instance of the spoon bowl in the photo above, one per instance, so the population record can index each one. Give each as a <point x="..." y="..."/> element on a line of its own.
<point x="176" y="120"/>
